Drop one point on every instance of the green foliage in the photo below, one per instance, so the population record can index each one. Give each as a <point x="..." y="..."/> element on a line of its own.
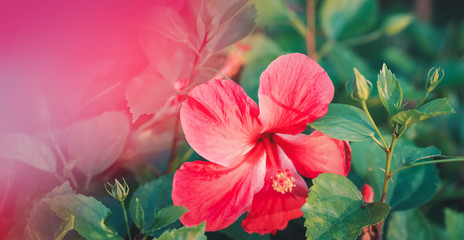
<point x="335" y="209"/>
<point x="193" y="233"/>
<point x="411" y="154"/>
<point x="390" y="91"/>
<point x="89" y="215"/>
<point x="42" y="222"/>
<point x="235" y="231"/>
<point x="454" y="222"/>
<point x="408" y="188"/>
<point x="396" y="23"/>
<point x="340" y="18"/>
<point x="431" y="109"/>
<point x="151" y="196"/>
<point x="345" y="122"/>
<point x="409" y="225"/>
<point x="66" y="226"/>
<point x="139" y="219"/>
<point x="166" y="216"/>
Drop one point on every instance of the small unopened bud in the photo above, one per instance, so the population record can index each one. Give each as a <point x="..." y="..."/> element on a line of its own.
<point x="434" y="77"/>
<point x="118" y="191"/>
<point x="362" y="87"/>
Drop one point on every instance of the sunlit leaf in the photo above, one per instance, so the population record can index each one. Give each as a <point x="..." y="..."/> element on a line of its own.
<point x="390" y="91"/>
<point x="183" y="233"/>
<point x="340" y="18"/>
<point x="431" y="109"/>
<point x="29" y="149"/>
<point x="454" y="224"/>
<point x="335" y="209"/>
<point x="89" y="215"/>
<point x="66" y="226"/>
<point x="95" y="144"/>
<point x="409" y="225"/>
<point x="345" y="122"/>
<point x="394" y="24"/>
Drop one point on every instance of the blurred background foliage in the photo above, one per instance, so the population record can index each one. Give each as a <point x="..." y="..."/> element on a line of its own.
<point x="410" y="37"/>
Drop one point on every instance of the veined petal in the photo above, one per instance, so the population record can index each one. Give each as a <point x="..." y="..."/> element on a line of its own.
<point x="316" y="153"/>
<point x="217" y="194"/>
<point x="294" y="90"/>
<point x="220" y="121"/>
<point x="271" y="210"/>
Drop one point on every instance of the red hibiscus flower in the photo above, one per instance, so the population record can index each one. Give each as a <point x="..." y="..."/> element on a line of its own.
<point x="255" y="153"/>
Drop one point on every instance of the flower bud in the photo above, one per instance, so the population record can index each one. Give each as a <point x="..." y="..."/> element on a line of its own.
<point x="434" y="77"/>
<point x="118" y="191"/>
<point x="362" y="87"/>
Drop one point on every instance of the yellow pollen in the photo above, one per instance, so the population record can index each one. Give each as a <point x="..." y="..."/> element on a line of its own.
<point x="283" y="181"/>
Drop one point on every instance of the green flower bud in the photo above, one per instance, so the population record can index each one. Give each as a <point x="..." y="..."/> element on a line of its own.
<point x="118" y="191"/>
<point x="434" y="77"/>
<point x="362" y="87"/>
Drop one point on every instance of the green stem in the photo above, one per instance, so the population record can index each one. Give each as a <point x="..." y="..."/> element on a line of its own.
<point x="364" y="107"/>
<point x="125" y="219"/>
<point x="297" y="23"/>
<point x="428" y="162"/>
<point x="422" y="100"/>
<point x="387" y="167"/>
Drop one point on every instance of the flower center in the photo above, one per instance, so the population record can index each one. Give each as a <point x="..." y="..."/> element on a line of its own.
<point x="282" y="181"/>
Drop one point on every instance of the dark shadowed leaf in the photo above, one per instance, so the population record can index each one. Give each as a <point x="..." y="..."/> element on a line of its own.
<point x="153" y="195"/>
<point x="340" y="18"/>
<point x="345" y="122"/>
<point x="409" y="225"/>
<point x="235" y="231"/>
<point x="66" y="226"/>
<point x="454" y="222"/>
<point x="408" y="188"/>
<point x="335" y="209"/>
<point x="431" y="109"/>
<point x="166" y="216"/>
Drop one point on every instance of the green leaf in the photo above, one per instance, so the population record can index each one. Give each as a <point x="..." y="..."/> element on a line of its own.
<point x="454" y="222"/>
<point x="431" y="109"/>
<point x="335" y="209"/>
<point x="341" y="18"/>
<point x="139" y="215"/>
<point x="66" y="226"/>
<point x="167" y="216"/>
<point x="345" y="122"/>
<point x="409" y="225"/>
<point x="342" y="60"/>
<point x="89" y="215"/>
<point x="153" y="195"/>
<point x="408" y="188"/>
<point x="42" y="221"/>
<point x="390" y="91"/>
<point x="394" y="24"/>
<point x="193" y="233"/>
<point x="411" y="154"/>
<point x="235" y="231"/>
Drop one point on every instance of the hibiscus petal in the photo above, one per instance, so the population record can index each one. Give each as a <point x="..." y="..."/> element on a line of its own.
<point x="316" y="153"/>
<point x="271" y="210"/>
<point x="220" y="121"/>
<point x="217" y="194"/>
<point x="294" y="90"/>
